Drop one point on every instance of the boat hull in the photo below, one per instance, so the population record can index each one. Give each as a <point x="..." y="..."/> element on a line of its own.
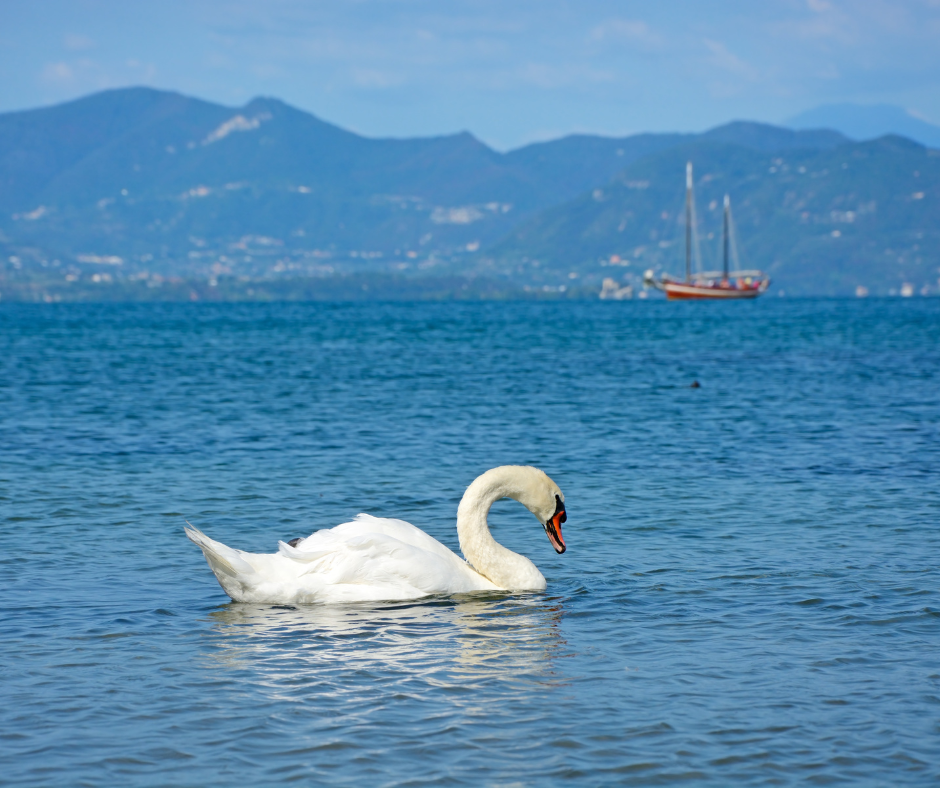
<point x="676" y="291"/>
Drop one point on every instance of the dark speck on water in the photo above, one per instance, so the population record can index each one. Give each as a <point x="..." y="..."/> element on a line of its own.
<point x="750" y="594"/>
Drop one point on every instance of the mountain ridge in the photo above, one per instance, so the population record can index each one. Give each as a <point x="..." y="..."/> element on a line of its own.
<point x="868" y="121"/>
<point x="817" y="221"/>
<point x="169" y="185"/>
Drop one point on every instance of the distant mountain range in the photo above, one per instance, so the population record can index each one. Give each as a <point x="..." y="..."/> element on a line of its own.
<point x="145" y="186"/>
<point x="868" y="121"/>
<point x="822" y="221"/>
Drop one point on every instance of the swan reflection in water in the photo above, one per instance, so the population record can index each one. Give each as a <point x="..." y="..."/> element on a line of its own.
<point x="448" y="641"/>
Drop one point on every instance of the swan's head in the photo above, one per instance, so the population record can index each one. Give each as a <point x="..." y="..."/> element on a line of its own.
<point x="528" y="485"/>
<point x="546" y="501"/>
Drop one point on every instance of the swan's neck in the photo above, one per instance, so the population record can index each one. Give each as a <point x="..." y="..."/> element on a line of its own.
<point x="498" y="564"/>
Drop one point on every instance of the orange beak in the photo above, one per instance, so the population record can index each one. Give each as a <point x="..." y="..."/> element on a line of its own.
<point x="553" y="526"/>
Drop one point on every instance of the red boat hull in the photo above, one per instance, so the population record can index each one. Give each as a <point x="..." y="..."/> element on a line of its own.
<point x="680" y="291"/>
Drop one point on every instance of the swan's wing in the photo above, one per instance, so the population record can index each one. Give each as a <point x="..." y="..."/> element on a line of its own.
<point x="369" y="559"/>
<point x="367" y="524"/>
<point x="375" y="558"/>
<point x="383" y="562"/>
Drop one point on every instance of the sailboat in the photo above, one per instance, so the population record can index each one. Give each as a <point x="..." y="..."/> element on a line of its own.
<point x="722" y="284"/>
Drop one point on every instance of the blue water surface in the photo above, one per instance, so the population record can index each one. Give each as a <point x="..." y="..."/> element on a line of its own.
<point x="749" y="597"/>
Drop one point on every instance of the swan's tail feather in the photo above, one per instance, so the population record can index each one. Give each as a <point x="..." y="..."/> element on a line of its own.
<point x="221" y="558"/>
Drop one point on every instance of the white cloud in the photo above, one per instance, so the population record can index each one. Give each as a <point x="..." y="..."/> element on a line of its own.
<point x="75" y="42"/>
<point x="143" y="71"/>
<point x="86" y="74"/>
<point x="549" y="77"/>
<point x="726" y="60"/>
<point x="375" y="78"/>
<point x="633" y="31"/>
<point x="266" y="70"/>
<point x="920" y="115"/>
<point x="57" y="74"/>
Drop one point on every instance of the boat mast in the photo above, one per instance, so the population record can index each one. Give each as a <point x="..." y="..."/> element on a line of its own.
<point x="688" y="221"/>
<point x="725" y="236"/>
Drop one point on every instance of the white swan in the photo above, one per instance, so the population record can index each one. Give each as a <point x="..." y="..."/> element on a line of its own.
<point x="373" y="558"/>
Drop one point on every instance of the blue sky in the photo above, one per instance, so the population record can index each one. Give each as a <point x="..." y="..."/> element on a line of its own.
<point x="510" y="71"/>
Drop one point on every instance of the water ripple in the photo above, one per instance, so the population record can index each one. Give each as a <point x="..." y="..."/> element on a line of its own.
<point x="749" y="596"/>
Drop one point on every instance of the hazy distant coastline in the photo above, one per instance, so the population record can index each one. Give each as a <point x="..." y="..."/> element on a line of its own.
<point x="337" y="288"/>
<point x="139" y="194"/>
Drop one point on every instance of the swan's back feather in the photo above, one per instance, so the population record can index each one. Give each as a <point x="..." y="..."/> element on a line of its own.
<point x="366" y="524"/>
<point x="368" y="559"/>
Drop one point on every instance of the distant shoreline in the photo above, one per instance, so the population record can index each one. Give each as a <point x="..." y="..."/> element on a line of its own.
<point x="356" y="288"/>
<point x="352" y="287"/>
<point x="140" y="194"/>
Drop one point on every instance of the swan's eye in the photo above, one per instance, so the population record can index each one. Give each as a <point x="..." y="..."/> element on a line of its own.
<point x="560" y="510"/>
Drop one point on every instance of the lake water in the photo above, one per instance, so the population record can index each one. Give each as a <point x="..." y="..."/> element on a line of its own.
<point x="750" y="596"/>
